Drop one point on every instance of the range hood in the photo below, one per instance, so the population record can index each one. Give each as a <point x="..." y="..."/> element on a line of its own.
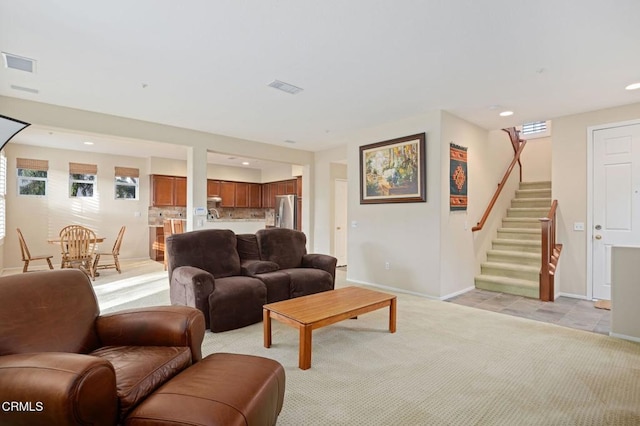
<point x="215" y="199"/>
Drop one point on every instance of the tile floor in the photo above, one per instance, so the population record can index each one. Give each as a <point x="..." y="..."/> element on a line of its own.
<point x="565" y="311"/>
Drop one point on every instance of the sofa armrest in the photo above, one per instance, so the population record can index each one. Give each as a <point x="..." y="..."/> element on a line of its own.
<point x="320" y="261"/>
<point x="154" y="326"/>
<point x="253" y="267"/>
<point x="57" y="388"/>
<point x="191" y="286"/>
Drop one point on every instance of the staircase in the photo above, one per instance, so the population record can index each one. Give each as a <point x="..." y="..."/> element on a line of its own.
<point x="513" y="262"/>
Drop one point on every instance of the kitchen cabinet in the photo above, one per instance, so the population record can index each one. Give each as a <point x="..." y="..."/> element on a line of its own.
<point x="168" y="191"/>
<point x="228" y="194"/>
<point x="213" y="188"/>
<point x="242" y="194"/>
<point x="255" y="195"/>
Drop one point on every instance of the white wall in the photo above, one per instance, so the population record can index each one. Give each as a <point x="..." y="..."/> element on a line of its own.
<point x="41" y="218"/>
<point x="569" y="187"/>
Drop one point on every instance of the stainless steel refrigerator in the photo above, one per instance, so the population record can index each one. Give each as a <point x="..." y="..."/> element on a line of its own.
<point x="286" y="207"/>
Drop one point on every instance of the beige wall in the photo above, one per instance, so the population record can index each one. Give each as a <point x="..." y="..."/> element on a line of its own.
<point x="41" y="218"/>
<point x="625" y="292"/>
<point x="536" y="160"/>
<point x="569" y="187"/>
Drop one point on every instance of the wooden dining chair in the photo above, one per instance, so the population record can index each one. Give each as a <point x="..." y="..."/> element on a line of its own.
<point x="115" y="252"/>
<point x="170" y="227"/>
<point x="77" y="245"/>
<point x="26" y="254"/>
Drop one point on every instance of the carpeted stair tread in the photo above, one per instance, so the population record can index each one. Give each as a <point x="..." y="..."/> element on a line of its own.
<point x="515" y="254"/>
<point x="520" y="230"/>
<point x="508" y="285"/>
<point x="528" y="243"/>
<point x="511" y="266"/>
<point x="533" y="193"/>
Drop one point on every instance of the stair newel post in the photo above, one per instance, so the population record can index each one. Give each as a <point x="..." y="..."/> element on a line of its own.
<point x="546" y="279"/>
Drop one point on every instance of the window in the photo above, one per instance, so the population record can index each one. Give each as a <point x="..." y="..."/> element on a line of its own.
<point x="32" y="176"/>
<point x="535" y="130"/>
<point x="82" y="179"/>
<point x="126" y="182"/>
<point x="3" y="193"/>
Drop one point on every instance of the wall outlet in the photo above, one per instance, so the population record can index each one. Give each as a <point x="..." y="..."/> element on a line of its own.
<point x="578" y="226"/>
<point x="387" y="265"/>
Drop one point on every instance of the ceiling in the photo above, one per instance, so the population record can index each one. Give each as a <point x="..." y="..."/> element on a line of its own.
<point x="206" y="65"/>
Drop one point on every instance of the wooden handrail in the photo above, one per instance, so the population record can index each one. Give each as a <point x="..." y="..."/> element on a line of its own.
<point x="516" y="158"/>
<point x="550" y="254"/>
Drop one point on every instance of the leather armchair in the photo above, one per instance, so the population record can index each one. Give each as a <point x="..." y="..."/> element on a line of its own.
<point x="62" y="363"/>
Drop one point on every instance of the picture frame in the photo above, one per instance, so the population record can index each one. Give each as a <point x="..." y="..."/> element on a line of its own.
<point x="394" y="171"/>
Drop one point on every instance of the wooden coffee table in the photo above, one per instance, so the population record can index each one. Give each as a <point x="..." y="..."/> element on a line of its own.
<point x="308" y="313"/>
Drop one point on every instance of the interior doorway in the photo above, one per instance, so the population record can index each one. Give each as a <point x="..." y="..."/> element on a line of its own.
<point x="615" y="198"/>
<point x="340" y="221"/>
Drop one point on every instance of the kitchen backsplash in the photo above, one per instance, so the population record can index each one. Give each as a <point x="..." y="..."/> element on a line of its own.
<point x="158" y="214"/>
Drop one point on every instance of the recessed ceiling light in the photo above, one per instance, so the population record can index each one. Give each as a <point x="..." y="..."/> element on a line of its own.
<point x="285" y="87"/>
<point x="88" y="143"/>
<point x="245" y="163"/>
<point x="633" y="86"/>
<point x="506" y="113"/>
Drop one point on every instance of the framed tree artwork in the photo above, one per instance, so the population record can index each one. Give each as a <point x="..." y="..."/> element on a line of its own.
<point x="394" y="171"/>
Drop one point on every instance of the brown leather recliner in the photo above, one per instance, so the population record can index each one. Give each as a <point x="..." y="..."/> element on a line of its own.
<point x="62" y="363"/>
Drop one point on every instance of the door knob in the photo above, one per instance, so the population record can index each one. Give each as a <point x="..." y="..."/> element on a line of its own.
<point x="598" y="237"/>
<point x="338" y="228"/>
<point x="598" y="227"/>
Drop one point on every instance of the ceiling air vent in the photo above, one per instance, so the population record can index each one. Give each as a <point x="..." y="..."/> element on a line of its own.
<point x="285" y="87"/>
<point x="19" y="62"/>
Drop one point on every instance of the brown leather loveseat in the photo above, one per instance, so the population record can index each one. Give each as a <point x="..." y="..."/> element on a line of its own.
<point x="61" y="363"/>
<point x="230" y="277"/>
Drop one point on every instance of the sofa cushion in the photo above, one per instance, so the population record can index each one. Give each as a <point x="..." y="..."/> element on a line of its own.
<point x="142" y="369"/>
<point x="282" y="246"/>
<point x="305" y="281"/>
<point x="248" y="247"/>
<point x="277" y="283"/>
<point x="212" y="250"/>
<point x="236" y="302"/>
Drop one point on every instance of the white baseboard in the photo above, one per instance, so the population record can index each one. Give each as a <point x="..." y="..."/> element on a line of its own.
<point x="573" y="296"/>
<point x="458" y="293"/>
<point x="622" y="336"/>
<point x="393" y="289"/>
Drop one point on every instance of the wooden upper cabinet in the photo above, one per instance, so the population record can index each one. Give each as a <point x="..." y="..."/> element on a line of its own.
<point x="299" y="186"/>
<point x="242" y="194"/>
<point x="168" y="191"/>
<point x="213" y="187"/>
<point x="181" y="191"/>
<point x="290" y="187"/>
<point x="228" y="194"/>
<point x="255" y="195"/>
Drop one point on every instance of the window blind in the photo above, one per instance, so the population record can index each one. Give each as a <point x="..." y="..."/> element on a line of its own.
<point x="127" y="172"/>
<point x="27" y="163"/>
<point x="83" y="169"/>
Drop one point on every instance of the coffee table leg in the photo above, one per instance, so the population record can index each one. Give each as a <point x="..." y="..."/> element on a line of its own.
<point x="392" y="315"/>
<point x="266" y="322"/>
<point x="304" y="355"/>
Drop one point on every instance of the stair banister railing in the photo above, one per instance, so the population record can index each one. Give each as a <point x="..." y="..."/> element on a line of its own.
<point x="550" y="254"/>
<point x="516" y="159"/>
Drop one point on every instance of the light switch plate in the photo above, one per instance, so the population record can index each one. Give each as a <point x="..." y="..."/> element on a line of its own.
<point x="578" y="226"/>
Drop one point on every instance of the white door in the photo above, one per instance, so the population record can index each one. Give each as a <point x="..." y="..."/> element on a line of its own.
<point x="340" y="220"/>
<point x="616" y="199"/>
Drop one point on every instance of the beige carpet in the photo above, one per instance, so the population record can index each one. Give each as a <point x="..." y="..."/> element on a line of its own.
<point x="450" y="365"/>
<point x="446" y="365"/>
